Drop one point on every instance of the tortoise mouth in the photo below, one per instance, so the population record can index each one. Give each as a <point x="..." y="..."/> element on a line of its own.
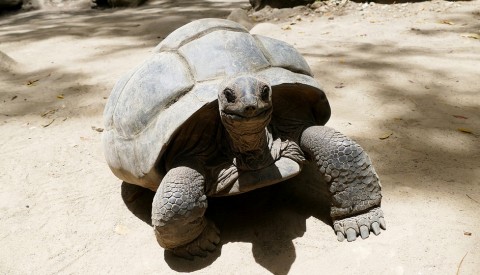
<point x="262" y="115"/>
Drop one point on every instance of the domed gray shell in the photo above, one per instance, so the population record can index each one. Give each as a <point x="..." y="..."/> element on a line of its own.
<point x="150" y="103"/>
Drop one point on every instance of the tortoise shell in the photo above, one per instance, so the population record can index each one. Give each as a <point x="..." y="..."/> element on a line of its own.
<point x="150" y="104"/>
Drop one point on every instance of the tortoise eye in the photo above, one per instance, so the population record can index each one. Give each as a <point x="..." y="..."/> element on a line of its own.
<point x="229" y="95"/>
<point x="265" y="93"/>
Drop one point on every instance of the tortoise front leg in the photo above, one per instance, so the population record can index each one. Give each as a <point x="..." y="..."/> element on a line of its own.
<point x="352" y="180"/>
<point x="178" y="210"/>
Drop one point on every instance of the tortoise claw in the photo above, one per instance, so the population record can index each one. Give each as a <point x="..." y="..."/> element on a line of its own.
<point x="351" y="234"/>
<point x="361" y="224"/>
<point x="364" y="232"/>
<point x="340" y="236"/>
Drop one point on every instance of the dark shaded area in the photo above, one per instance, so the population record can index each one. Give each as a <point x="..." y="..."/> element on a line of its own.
<point x="259" y="4"/>
<point x="430" y="94"/>
<point x="148" y="24"/>
<point x="116" y="3"/>
<point x="166" y="15"/>
<point x="269" y="218"/>
<point x="138" y="200"/>
<point x="401" y="1"/>
<point x="10" y="5"/>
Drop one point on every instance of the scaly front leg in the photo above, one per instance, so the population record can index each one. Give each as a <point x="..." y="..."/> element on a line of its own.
<point x="352" y="180"/>
<point x="178" y="210"/>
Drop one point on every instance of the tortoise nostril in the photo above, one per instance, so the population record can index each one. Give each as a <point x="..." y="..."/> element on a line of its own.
<point x="250" y="108"/>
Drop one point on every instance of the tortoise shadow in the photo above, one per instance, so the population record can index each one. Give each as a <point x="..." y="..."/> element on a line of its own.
<point x="269" y="218"/>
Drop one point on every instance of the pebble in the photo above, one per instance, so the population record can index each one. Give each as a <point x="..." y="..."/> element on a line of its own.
<point x="316" y="5"/>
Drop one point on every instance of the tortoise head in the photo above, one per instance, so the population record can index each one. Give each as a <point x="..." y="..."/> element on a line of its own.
<point x="245" y="105"/>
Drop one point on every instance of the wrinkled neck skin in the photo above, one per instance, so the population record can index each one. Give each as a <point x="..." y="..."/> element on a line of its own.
<point x="250" y="142"/>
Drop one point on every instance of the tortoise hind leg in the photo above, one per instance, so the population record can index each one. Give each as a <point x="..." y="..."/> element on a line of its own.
<point x="353" y="182"/>
<point x="178" y="210"/>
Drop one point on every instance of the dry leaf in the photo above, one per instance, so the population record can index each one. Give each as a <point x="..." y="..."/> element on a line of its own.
<point x="459" y="116"/>
<point x="471" y="35"/>
<point x="447" y="22"/>
<point x="386" y="135"/>
<point x="30" y="82"/>
<point x="97" y="129"/>
<point x="60" y="96"/>
<point x="465" y="130"/>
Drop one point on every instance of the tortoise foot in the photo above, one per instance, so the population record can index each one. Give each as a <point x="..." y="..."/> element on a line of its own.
<point x="206" y="242"/>
<point x="360" y="225"/>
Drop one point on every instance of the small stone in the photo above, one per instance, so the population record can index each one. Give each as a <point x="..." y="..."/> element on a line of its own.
<point x="120" y="229"/>
<point x="316" y="5"/>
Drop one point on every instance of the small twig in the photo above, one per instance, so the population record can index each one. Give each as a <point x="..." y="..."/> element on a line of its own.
<point x="46" y="125"/>
<point x="460" y="264"/>
<point x="49" y="112"/>
<point x="472" y="199"/>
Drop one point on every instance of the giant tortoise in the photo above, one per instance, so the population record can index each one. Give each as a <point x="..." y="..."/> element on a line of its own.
<point x="217" y="111"/>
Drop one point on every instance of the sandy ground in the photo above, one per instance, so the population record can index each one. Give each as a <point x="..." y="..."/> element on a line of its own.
<point x="409" y="73"/>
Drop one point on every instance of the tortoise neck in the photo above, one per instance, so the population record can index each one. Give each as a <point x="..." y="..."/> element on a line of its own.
<point x="252" y="151"/>
<point x="249" y="142"/>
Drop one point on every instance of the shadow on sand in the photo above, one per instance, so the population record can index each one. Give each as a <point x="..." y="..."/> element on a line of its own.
<point x="269" y="218"/>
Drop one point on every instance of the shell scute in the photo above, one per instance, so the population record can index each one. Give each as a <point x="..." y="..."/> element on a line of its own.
<point x="281" y="54"/>
<point x="223" y="54"/>
<point x="136" y="108"/>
